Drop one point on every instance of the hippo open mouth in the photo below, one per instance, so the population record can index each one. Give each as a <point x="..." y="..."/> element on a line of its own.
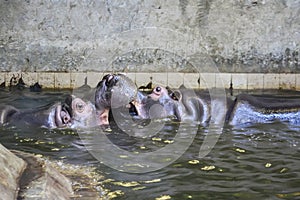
<point x="74" y="112"/>
<point x="113" y="91"/>
<point x="63" y="113"/>
<point x="62" y="116"/>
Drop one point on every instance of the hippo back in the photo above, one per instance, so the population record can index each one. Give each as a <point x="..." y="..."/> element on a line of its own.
<point x="261" y="109"/>
<point x="6" y="113"/>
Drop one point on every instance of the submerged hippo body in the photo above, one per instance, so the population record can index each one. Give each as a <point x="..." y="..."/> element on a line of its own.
<point x="182" y="104"/>
<point x="113" y="91"/>
<point x="186" y="105"/>
<point x="117" y="90"/>
<point x="248" y="109"/>
<point x="50" y="118"/>
<point x="72" y="113"/>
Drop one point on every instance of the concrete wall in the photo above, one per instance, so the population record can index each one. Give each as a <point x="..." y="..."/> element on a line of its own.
<point x="260" y="36"/>
<point x="241" y="81"/>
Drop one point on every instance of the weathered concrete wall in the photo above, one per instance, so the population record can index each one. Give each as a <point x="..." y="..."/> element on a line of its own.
<point x="156" y="35"/>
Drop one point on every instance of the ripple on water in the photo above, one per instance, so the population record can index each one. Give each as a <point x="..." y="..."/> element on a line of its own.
<point x="255" y="162"/>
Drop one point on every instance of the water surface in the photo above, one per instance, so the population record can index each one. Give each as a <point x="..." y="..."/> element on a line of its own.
<point x="255" y="162"/>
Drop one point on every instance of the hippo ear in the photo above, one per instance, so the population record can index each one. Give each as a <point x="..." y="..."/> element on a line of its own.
<point x="176" y="95"/>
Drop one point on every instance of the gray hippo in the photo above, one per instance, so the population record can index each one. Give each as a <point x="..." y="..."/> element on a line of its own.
<point x="113" y="91"/>
<point x="117" y="90"/>
<point x="184" y="105"/>
<point x="249" y="109"/>
<point x="72" y="113"/>
<point x="245" y="109"/>
<point x="188" y="105"/>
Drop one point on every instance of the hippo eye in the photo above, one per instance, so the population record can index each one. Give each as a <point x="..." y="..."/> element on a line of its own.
<point x="80" y="107"/>
<point x="158" y="89"/>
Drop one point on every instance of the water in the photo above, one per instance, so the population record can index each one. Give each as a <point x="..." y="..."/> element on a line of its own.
<point x="256" y="162"/>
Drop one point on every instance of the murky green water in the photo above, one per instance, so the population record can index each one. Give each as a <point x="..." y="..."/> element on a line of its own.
<point x="257" y="162"/>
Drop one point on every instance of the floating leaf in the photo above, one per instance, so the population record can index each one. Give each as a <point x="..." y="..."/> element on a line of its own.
<point x="156" y="139"/>
<point x="138" y="188"/>
<point x="267" y="165"/>
<point x="194" y="162"/>
<point x="208" y="168"/>
<point x="168" y="141"/>
<point x="115" y="194"/>
<point x="283" y="170"/>
<point x="153" y="181"/>
<point x="127" y="184"/>
<point x="240" y="150"/>
<point x="163" y="197"/>
<point x="288" y="195"/>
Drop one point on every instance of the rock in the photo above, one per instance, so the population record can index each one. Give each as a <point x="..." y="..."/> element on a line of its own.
<point x="27" y="177"/>
<point x="42" y="181"/>
<point x="53" y="179"/>
<point x="11" y="169"/>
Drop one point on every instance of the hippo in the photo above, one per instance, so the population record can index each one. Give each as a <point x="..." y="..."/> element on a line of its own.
<point x="244" y="109"/>
<point x="113" y="91"/>
<point x="168" y="104"/>
<point x="249" y="109"/>
<point x="72" y="113"/>
<point x="185" y="104"/>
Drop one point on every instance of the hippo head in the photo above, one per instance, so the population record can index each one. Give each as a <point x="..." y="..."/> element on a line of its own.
<point x="160" y="103"/>
<point x="74" y="112"/>
<point x="113" y="91"/>
<point x="184" y="104"/>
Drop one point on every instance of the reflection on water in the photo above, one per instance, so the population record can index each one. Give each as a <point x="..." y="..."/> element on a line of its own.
<point x="257" y="162"/>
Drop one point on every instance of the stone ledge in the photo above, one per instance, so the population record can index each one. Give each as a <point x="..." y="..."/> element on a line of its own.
<point x="11" y="169"/>
<point x="58" y="80"/>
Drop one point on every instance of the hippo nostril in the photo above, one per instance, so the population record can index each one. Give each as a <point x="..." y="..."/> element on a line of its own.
<point x="110" y="77"/>
<point x="66" y="119"/>
<point x="111" y="80"/>
<point x="158" y="89"/>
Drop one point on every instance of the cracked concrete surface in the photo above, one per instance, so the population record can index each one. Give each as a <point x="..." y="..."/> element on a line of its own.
<point x="258" y="36"/>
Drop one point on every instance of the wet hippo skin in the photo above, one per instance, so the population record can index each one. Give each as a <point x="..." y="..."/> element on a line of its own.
<point x="248" y="109"/>
<point x="184" y="105"/>
<point x="72" y="113"/>
<point x="187" y="105"/>
<point x="113" y="91"/>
